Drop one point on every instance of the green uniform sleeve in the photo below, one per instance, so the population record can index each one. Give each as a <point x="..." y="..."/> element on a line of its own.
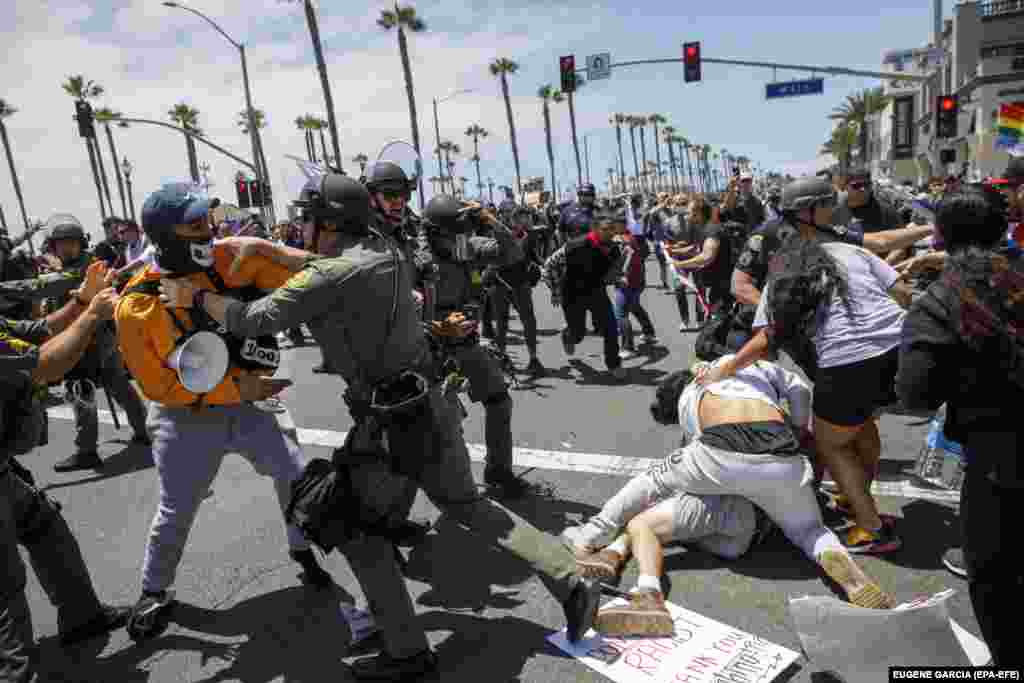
<point x="50" y="285"/>
<point x="308" y="294"/>
<point x="18" y="353"/>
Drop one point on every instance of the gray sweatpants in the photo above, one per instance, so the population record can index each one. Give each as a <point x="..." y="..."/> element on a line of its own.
<point x="722" y="525"/>
<point x="188" y="447"/>
<point x="779" y="485"/>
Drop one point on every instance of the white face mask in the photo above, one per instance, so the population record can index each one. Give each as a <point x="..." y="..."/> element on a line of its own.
<point x="202" y="253"/>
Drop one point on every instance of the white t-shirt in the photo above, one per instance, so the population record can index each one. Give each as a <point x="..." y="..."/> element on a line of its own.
<point x="876" y="323"/>
<point x="762" y="381"/>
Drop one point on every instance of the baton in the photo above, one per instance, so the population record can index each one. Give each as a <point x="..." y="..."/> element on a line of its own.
<point x="113" y="410"/>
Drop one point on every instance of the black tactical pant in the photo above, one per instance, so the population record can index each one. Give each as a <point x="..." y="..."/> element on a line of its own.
<point x="26" y="518"/>
<point x="502" y="297"/>
<point x="446" y="478"/>
<point x="600" y="307"/>
<point x="122" y="393"/>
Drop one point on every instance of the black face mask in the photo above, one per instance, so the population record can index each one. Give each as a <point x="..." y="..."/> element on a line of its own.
<point x="184" y="257"/>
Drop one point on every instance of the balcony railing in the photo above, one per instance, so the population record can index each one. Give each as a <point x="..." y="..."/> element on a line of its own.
<point x="995" y="8"/>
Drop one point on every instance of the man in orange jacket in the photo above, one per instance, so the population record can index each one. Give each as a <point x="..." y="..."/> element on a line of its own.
<point x="192" y="432"/>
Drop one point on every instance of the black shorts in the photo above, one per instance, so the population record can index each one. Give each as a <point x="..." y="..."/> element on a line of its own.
<point x="848" y="395"/>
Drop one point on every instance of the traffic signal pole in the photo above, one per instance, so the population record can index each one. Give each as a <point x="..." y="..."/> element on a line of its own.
<point x="828" y="70"/>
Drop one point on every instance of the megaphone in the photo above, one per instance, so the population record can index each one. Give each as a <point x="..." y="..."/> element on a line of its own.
<point x="201" y="362"/>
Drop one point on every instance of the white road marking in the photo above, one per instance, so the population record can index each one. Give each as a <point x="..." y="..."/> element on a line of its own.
<point x="593" y="463"/>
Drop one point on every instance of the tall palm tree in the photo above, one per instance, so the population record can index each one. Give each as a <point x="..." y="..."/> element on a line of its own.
<point x="856" y="110"/>
<point x="656" y="120"/>
<point x="668" y="132"/>
<point x="634" y="122"/>
<point x="684" y="158"/>
<point x="618" y="120"/>
<point x="107" y="116"/>
<point x="476" y="131"/>
<point x="642" y="124"/>
<point x="501" y="68"/>
<point x="706" y="154"/>
<point x="7" y="111"/>
<point x="305" y="124"/>
<point x="548" y="94"/>
<point x="448" y="148"/>
<point x="361" y="159"/>
<point x="325" y="84"/>
<point x="188" y="118"/>
<point x="260" y="118"/>
<point x="570" y="96"/>
<point x="84" y="90"/>
<point x="840" y="144"/>
<point x="404" y="19"/>
<point x="611" y="179"/>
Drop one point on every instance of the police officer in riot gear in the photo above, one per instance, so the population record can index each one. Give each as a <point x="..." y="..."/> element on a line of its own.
<point x="450" y="225"/>
<point x="101" y="369"/>
<point x="33" y="353"/>
<point x="576" y="219"/>
<point x="357" y="299"/>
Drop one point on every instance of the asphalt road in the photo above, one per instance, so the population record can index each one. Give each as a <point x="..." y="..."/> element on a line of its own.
<point x="246" y="616"/>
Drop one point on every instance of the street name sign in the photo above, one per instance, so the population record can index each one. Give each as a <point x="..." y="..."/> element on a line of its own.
<point x="599" y="66"/>
<point x="810" y="86"/>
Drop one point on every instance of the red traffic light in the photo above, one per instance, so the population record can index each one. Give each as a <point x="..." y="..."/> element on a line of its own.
<point x="691" y="52"/>
<point x="947" y="103"/>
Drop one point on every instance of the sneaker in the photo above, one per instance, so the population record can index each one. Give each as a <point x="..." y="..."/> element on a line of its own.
<point x="604" y="564"/>
<point x="860" y="541"/>
<point x="149" y="617"/>
<point x="384" y="667"/>
<point x="860" y="590"/>
<point x="108" y="619"/>
<point x="315" y="575"/>
<point x="81" y="460"/>
<point x="684" y="326"/>
<point x="953" y="560"/>
<point x="322" y="369"/>
<point x="644" y="615"/>
<point x="627" y="354"/>
<point x="619" y="373"/>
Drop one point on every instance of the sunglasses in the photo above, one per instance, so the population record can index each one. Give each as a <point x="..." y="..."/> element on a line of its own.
<point x="393" y="196"/>
<point x="859" y="185"/>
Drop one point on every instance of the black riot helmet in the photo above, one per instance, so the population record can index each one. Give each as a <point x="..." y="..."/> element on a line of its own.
<point x="338" y="200"/>
<point x="806" y="193"/>
<point x="447" y="214"/>
<point x="386" y="177"/>
<point x="64" y="226"/>
<point x="586" y="194"/>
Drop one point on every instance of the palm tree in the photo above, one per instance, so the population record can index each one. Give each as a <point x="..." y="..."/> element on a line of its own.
<point x="642" y="124"/>
<point x="633" y="122"/>
<point x="668" y="132"/>
<point x="305" y="123"/>
<point x="706" y="153"/>
<point x="448" y="148"/>
<point x="404" y="18"/>
<point x="570" y="96"/>
<point x="260" y="118"/>
<point x="319" y="125"/>
<point x="611" y="179"/>
<point x="548" y="94"/>
<point x="856" y="110"/>
<point x="325" y="84"/>
<point x="476" y="132"/>
<point x="501" y="68"/>
<point x="361" y="159"/>
<point x="84" y="90"/>
<point x="618" y="120"/>
<point x="7" y="111"/>
<point x="840" y="144"/>
<point x="188" y="118"/>
<point x="656" y="120"/>
<point x="106" y="117"/>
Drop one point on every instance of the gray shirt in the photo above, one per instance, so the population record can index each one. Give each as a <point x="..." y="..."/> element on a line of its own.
<point x="876" y="323"/>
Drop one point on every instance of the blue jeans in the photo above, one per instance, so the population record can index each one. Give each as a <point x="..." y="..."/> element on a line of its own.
<point x="627" y="300"/>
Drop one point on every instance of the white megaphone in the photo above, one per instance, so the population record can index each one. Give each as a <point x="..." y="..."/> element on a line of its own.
<point x="201" y="361"/>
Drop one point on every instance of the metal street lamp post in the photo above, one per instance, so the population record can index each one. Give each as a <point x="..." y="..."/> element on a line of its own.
<point x="490" y="188"/>
<point x="126" y="169"/>
<point x="254" y="135"/>
<point x="437" y="131"/>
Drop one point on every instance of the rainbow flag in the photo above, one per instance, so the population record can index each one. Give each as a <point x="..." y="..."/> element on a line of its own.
<point x="1010" y="129"/>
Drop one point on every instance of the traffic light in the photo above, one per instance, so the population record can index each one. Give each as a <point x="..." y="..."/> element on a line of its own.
<point x="84" y="115"/>
<point x="946" y="110"/>
<point x="568" y="66"/>
<point x="255" y="194"/>
<point x="244" y="200"/>
<point x="691" y="62"/>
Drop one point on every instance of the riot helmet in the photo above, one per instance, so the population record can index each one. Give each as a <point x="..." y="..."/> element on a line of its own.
<point x="586" y="194"/>
<point x="449" y="224"/>
<point x="61" y="227"/>
<point x="809" y="192"/>
<point x="173" y="205"/>
<point x="390" y="189"/>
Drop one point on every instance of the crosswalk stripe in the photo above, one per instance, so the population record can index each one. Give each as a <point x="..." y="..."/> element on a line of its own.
<point x="591" y="463"/>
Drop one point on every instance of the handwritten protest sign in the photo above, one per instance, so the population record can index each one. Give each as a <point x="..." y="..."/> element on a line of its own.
<point x="702" y="651"/>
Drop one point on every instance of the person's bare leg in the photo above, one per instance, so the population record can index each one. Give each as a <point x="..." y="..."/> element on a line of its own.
<point x="836" y="449"/>
<point x="868" y="445"/>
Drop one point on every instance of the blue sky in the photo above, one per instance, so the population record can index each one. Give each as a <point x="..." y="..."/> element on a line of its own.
<point x="149" y="57"/>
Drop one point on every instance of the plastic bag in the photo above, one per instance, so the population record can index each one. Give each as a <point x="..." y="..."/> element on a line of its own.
<point x="940" y="462"/>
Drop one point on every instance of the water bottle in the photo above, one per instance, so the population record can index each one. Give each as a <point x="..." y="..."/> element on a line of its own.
<point x="941" y="460"/>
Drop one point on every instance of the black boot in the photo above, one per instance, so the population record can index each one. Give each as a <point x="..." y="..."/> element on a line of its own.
<point x="108" y="619"/>
<point x="81" y="460"/>
<point x="384" y="667"/>
<point x="505" y="483"/>
<point x="581" y="608"/>
<point x="315" y="574"/>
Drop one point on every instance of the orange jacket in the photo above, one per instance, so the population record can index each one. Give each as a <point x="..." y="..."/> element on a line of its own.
<point x="147" y="334"/>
